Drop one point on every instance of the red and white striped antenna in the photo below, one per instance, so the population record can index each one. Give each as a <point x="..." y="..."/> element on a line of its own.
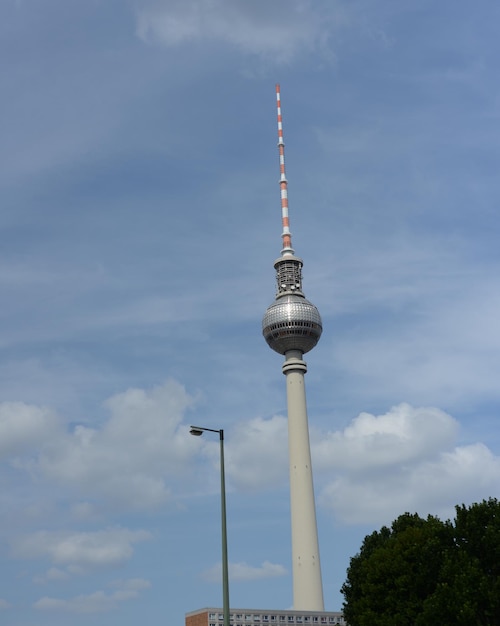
<point x="286" y="234"/>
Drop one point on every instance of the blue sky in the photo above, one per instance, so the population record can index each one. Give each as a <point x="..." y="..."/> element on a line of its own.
<point x="140" y="221"/>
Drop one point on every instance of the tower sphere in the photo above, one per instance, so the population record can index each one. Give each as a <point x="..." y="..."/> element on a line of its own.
<point x="292" y="323"/>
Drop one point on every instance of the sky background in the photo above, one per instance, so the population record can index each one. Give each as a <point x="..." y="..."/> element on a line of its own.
<point x="140" y="220"/>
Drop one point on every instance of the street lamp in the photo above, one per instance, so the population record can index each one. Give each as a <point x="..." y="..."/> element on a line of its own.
<point x="197" y="431"/>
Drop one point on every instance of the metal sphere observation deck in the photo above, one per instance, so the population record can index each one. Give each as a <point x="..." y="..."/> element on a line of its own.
<point x="292" y="323"/>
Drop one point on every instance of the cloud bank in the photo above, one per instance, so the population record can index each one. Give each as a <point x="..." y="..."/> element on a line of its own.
<point x="404" y="460"/>
<point x="126" y="462"/>
<point x="377" y="467"/>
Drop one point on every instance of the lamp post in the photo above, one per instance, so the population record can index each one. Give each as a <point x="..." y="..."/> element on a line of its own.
<point x="197" y="431"/>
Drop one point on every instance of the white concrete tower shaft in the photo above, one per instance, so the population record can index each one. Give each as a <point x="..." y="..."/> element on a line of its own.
<point x="292" y="326"/>
<point x="307" y="582"/>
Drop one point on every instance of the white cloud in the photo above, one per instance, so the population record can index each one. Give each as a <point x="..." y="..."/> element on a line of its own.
<point x="245" y="572"/>
<point x="258" y="452"/>
<point x="405" y="460"/>
<point x="23" y="425"/>
<point x="402" y="435"/>
<point x="470" y="472"/>
<point x="126" y="461"/>
<point x="80" y="551"/>
<point x="277" y="30"/>
<point x="97" y="602"/>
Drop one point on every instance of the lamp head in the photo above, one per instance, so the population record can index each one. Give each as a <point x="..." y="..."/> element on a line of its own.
<point x="197" y="432"/>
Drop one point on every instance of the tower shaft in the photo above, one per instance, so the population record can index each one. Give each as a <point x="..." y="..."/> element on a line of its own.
<point x="306" y="566"/>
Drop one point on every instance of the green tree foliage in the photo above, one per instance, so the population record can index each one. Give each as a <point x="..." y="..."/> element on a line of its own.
<point x="422" y="572"/>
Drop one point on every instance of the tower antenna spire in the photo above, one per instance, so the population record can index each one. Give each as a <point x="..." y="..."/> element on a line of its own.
<point x="286" y="234"/>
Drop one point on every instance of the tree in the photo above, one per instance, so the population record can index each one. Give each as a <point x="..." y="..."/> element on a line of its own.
<point x="468" y="590"/>
<point x="421" y="571"/>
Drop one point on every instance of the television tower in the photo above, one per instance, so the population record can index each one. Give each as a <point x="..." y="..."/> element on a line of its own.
<point x="292" y="326"/>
